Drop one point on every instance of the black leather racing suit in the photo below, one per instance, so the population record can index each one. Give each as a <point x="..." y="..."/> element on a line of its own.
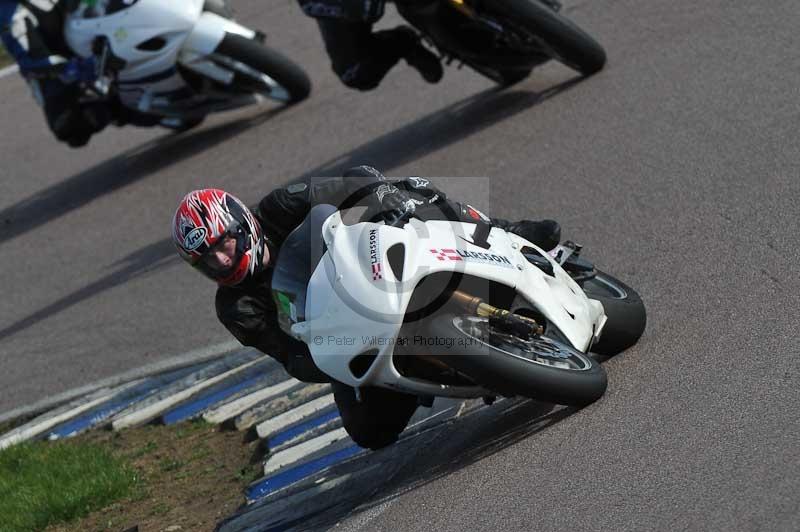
<point x="360" y="57"/>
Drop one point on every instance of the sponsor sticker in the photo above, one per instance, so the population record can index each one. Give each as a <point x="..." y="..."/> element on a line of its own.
<point x="384" y="189"/>
<point x="419" y="182"/>
<point x="318" y="9"/>
<point x="446" y="254"/>
<point x="294" y="188"/>
<point x="195" y="238"/>
<point x="286" y="305"/>
<point x="375" y="255"/>
<point x="455" y="254"/>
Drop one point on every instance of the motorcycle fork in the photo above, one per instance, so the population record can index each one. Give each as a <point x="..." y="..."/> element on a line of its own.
<point x="463" y="8"/>
<point x="504" y="319"/>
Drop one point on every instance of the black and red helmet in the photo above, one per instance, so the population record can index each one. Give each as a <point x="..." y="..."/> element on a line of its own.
<point x="205" y="217"/>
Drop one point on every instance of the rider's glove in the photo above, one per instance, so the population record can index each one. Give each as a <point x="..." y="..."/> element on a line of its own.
<point x="395" y="203"/>
<point x="79" y="69"/>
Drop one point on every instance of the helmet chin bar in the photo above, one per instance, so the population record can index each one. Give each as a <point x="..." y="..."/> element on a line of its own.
<point x="216" y="275"/>
<point x="235" y="231"/>
<point x="243" y="247"/>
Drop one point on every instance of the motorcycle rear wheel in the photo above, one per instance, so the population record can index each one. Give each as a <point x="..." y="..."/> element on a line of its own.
<point x="285" y="81"/>
<point x="543" y="368"/>
<point x="565" y="41"/>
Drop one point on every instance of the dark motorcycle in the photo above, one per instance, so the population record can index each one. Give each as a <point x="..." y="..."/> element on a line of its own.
<point x="504" y="39"/>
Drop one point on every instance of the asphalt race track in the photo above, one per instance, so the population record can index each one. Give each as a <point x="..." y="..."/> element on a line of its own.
<point x="676" y="167"/>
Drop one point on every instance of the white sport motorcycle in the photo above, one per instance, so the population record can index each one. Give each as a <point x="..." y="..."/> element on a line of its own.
<point x="441" y="308"/>
<point x="179" y="59"/>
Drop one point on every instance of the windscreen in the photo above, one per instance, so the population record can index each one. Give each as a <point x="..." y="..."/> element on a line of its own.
<point x="297" y="259"/>
<point x="97" y="8"/>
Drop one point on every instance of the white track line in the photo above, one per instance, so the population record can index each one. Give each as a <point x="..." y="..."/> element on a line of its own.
<point x="259" y="412"/>
<point x="294" y="454"/>
<point x="144" y="415"/>
<point x="234" y="408"/>
<point x="278" y="423"/>
<point x="51" y="419"/>
<point x="185" y="359"/>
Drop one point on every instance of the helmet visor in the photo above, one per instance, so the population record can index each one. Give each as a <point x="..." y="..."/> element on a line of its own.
<point x="229" y="244"/>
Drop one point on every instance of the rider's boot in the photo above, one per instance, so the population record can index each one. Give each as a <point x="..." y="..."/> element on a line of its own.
<point x="419" y="57"/>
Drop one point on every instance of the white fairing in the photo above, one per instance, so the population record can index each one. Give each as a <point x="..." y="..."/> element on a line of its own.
<point x="188" y="33"/>
<point x="209" y="31"/>
<point x="355" y="304"/>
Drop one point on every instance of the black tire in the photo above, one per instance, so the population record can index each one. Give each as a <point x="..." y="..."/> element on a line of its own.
<point x="378" y="419"/>
<point x="511" y="76"/>
<point x="627" y="317"/>
<point x="513" y="372"/>
<point x="280" y="68"/>
<point x="567" y="42"/>
<point x="186" y="125"/>
<point x="503" y="76"/>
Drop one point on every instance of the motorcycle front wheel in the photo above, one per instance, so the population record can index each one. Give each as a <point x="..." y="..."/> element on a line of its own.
<point x="624" y="309"/>
<point x="541" y="367"/>
<point x="261" y="69"/>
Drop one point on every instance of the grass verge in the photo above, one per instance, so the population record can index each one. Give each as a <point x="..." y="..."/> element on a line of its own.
<point x="190" y="476"/>
<point x="181" y="477"/>
<point x="43" y="483"/>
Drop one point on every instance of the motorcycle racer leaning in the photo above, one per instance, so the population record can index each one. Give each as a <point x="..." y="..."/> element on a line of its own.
<point x="236" y="247"/>
<point x="32" y="32"/>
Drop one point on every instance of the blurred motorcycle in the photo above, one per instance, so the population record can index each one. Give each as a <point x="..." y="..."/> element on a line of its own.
<point x="178" y="60"/>
<point x="504" y="39"/>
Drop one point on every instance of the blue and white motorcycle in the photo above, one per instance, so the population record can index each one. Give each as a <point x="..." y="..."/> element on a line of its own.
<point x="180" y="59"/>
